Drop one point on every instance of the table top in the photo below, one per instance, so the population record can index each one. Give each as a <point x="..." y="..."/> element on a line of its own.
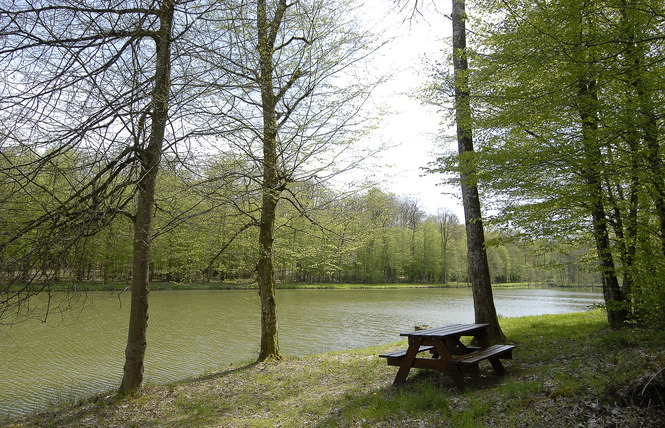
<point x="448" y="330"/>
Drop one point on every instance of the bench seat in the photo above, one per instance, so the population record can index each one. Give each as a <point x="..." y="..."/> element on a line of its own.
<point x="494" y="351"/>
<point x="468" y="363"/>
<point x="394" y="358"/>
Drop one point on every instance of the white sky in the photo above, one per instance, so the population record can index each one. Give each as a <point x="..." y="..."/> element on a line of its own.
<point x="412" y="128"/>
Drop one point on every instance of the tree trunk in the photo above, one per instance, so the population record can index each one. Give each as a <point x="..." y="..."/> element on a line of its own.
<point x="647" y="119"/>
<point x="634" y="58"/>
<point x="445" y="229"/>
<point x="150" y="159"/>
<point x="444" y="248"/>
<point x="588" y="110"/>
<point x="650" y="126"/>
<point x="266" y="278"/>
<point x="626" y="230"/>
<point x="267" y="31"/>
<point x="483" y="300"/>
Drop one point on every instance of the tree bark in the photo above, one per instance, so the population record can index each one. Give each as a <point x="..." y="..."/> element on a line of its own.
<point x="588" y="110"/>
<point x="483" y="299"/>
<point x="266" y="279"/>
<point x="267" y="31"/>
<point x="150" y="159"/>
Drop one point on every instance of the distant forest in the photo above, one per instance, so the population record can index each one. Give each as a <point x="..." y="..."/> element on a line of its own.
<point x="370" y="237"/>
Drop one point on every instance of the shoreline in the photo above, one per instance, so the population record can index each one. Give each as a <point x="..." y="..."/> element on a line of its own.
<point x="159" y="286"/>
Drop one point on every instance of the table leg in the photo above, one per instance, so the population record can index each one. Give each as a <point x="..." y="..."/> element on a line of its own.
<point x="457" y="375"/>
<point x="407" y="361"/>
<point x="498" y="366"/>
<point x="482" y="337"/>
<point x="443" y="350"/>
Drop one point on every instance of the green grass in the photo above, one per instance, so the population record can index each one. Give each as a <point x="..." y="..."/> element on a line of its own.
<point x="568" y="370"/>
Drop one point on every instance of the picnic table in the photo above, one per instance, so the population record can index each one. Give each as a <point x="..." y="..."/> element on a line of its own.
<point x="446" y="352"/>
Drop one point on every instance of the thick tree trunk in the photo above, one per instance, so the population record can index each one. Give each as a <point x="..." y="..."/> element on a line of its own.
<point x="266" y="278"/>
<point x="483" y="299"/>
<point x="588" y="110"/>
<point x="150" y="159"/>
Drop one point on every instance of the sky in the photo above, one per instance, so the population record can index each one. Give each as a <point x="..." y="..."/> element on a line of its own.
<point x="411" y="129"/>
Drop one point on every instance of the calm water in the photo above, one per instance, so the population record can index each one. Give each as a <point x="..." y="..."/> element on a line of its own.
<point x="81" y="353"/>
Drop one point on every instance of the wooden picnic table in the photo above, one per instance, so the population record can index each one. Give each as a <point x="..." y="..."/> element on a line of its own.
<point x="448" y="353"/>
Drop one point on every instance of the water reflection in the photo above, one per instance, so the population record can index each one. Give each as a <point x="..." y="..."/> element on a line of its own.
<point x="192" y="332"/>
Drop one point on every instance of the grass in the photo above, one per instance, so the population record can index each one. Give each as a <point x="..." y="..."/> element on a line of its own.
<point x="568" y="370"/>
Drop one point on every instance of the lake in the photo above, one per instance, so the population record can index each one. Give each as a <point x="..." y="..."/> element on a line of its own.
<point x="79" y="353"/>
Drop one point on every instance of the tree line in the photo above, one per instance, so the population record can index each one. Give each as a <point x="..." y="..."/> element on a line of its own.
<point x="372" y="237"/>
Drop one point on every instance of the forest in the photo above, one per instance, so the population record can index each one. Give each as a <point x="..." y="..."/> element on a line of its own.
<point x="369" y="238"/>
<point x="196" y="141"/>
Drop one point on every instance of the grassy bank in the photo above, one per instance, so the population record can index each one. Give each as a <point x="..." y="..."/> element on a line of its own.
<point x="568" y="370"/>
<point x="285" y="286"/>
<point x="253" y="286"/>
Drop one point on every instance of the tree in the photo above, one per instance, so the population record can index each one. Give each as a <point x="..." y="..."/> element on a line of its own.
<point x="149" y="158"/>
<point x="483" y="300"/>
<point x="380" y="259"/>
<point x="562" y="137"/>
<point x="412" y="217"/>
<point x="64" y="101"/>
<point x="92" y="81"/>
<point x="85" y="57"/>
<point x="292" y="115"/>
<point x="447" y="223"/>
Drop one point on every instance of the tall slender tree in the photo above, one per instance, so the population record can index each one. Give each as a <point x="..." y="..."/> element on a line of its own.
<point x="149" y="158"/>
<point x="483" y="300"/>
<point x="447" y="223"/>
<point x="267" y="31"/>
<point x="291" y="120"/>
<point x="564" y="141"/>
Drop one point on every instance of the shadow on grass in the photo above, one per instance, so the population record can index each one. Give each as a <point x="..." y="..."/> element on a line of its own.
<point x="105" y="408"/>
<point x="222" y="373"/>
<point x="428" y="398"/>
